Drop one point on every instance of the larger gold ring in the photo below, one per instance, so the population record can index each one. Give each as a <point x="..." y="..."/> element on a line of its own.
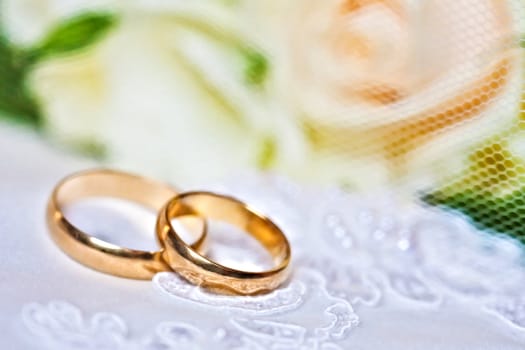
<point x="96" y="253"/>
<point x="199" y="269"/>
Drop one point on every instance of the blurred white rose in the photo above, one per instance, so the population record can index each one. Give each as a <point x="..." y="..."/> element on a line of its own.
<point x="166" y="93"/>
<point x="388" y="89"/>
<point x="359" y="91"/>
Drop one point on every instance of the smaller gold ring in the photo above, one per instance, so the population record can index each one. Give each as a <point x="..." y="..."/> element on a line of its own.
<point x="199" y="269"/>
<point x="94" y="252"/>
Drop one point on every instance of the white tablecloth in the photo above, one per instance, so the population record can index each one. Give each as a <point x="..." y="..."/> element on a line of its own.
<point x="369" y="273"/>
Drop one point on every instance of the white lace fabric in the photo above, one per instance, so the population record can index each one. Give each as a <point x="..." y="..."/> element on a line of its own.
<point x="370" y="272"/>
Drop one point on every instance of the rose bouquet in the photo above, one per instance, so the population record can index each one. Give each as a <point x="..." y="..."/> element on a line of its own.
<point x="421" y="97"/>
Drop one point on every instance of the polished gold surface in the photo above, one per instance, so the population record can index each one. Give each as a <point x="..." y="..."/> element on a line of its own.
<point x="94" y="252"/>
<point x="202" y="271"/>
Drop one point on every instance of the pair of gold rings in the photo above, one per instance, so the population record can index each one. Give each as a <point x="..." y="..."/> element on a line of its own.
<point x="189" y="260"/>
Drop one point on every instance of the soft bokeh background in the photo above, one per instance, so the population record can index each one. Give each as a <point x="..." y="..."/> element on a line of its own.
<point x="420" y="98"/>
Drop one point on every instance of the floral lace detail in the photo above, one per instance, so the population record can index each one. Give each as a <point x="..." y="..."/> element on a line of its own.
<point x="172" y="335"/>
<point x="279" y="300"/>
<point x="62" y="324"/>
<point x="369" y="245"/>
<point x="350" y="251"/>
<point x="307" y="287"/>
<point x="509" y="309"/>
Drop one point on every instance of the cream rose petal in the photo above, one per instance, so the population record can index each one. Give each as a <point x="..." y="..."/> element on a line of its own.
<point x="222" y="71"/>
<point x="137" y="98"/>
<point x="72" y="93"/>
<point x="412" y="85"/>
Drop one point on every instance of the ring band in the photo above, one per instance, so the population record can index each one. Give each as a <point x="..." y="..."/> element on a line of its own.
<point x="94" y="252"/>
<point x="200" y="270"/>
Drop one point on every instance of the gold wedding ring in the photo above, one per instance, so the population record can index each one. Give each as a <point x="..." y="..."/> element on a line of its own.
<point x="199" y="269"/>
<point x="96" y="253"/>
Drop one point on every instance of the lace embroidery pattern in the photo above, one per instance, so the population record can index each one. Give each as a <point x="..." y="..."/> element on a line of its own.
<point x="280" y="300"/>
<point x="369" y="245"/>
<point x="62" y="324"/>
<point x="365" y="247"/>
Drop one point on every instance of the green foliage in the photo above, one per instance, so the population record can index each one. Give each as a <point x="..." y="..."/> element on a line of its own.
<point x="256" y="67"/>
<point x="498" y="214"/>
<point x="16" y="102"/>
<point x="74" y="34"/>
<point x="490" y="191"/>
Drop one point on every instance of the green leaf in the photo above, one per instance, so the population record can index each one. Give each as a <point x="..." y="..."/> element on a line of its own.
<point x="488" y="212"/>
<point x="256" y="67"/>
<point x="16" y="102"/>
<point x="490" y="192"/>
<point x="74" y="34"/>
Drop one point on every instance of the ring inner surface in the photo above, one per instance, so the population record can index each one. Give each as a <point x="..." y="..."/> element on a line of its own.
<point x="225" y="209"/>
